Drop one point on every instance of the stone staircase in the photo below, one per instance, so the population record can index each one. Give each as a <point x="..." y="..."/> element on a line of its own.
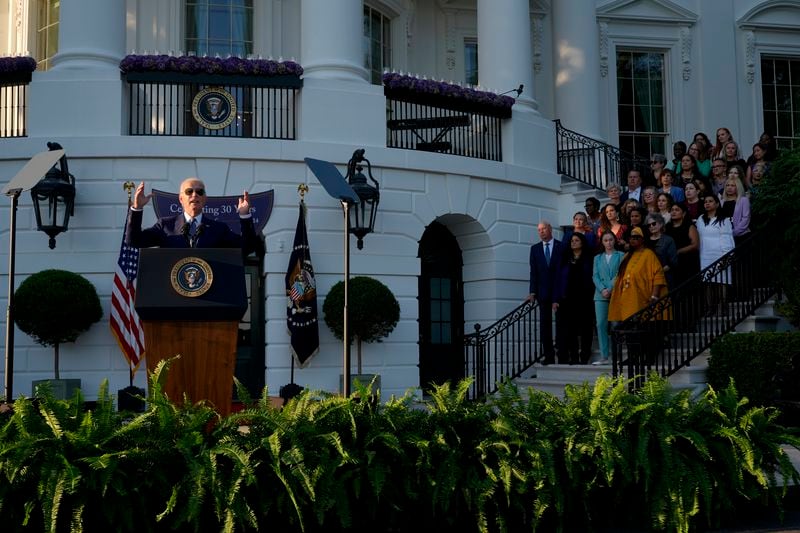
<point x="554" y="378"/>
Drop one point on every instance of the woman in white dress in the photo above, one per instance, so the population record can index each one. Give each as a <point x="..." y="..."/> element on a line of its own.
<point x="716" y="240"/>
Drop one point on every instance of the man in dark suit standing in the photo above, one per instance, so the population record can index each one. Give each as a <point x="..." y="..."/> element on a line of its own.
<point x="634" y="187"/>
<point x="190" y="229"/>
<point x="545" y="259"/>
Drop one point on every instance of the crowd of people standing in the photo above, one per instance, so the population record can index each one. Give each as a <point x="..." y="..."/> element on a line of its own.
<point x="651" y="236"/>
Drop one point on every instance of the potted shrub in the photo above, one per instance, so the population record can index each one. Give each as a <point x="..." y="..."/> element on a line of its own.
<point x="374" y="313"/>
<point x="56" y="306"/>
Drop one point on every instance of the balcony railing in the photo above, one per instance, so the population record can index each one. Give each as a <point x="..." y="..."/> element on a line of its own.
<point x="594" y="162"/>
<point x="14" y="105"/>
<point x="161" y="103"/>
<point x="420" y="122"/>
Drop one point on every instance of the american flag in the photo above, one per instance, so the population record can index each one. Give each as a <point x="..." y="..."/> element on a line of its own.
<point x="124" y="321"/>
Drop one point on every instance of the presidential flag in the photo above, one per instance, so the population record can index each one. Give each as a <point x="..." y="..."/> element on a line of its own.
<point x="301" y="296"/>
<point x="124" y="320"/>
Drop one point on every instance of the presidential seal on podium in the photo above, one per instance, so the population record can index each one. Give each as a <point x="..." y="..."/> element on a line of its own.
<point x="191" y="276"/>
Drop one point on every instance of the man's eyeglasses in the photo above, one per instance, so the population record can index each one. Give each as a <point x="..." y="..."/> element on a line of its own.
<point x="189" y="190"/>
<point x="651" y="224"/>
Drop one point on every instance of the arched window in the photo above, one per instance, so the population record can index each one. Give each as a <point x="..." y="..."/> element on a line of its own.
<point x="223" y="27"/>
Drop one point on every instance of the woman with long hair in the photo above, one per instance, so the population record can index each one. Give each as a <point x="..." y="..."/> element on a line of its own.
<point x="707" y="145"/>
<point x="610" y="221"/>
<point x="688" y="170"/>
<point x="723" y="137"/>
<point x="736" y="205"/>
<point x="732" y="155"/>
<point x="700" y="155"/>
<point x="758" y="156"/>
<point x="573" y="300"/>
<point x="768" y="140"/>
<point x="687" y="244"/>
<point x="694" y="207"/>
<point x="664" y="202"/>
<point x="625" y="213"/>
<point x="716" y="240"/>
<point x="580" y="224"/>
<point x="604" y="274"/>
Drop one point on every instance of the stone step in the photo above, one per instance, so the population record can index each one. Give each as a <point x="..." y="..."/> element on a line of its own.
<point x="553" y="378"/>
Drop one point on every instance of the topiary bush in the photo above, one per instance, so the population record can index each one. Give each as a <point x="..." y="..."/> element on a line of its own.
<point x="55" y="306"/>
<point x="374" y="311"/>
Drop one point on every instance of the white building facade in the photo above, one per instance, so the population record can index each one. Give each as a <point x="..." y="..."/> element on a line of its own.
<point x="453" y="233"/>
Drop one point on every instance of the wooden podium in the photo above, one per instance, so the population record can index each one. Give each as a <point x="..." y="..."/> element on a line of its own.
<point x="190" y="302"/>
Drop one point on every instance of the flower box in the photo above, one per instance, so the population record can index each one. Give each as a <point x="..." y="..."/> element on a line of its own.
<point x="16" y="70"/>
<point x="213" y="79"/>
<point x="446" y="95"/>
<point x="194" y="69"/>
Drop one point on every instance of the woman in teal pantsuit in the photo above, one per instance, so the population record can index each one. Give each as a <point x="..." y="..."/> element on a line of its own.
<point x="604" y="273"/>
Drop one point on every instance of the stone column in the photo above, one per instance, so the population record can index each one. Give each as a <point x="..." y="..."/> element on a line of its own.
<point x="330" y="40"/>
<point x="337" y="102"/>
<point x="576" y="44"/>
<point x="504" y="49"/>
<point x="91" y="34"/>
<point x="82" y="95"/>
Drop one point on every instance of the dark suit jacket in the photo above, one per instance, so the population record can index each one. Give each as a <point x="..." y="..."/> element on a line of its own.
<point x="168" y="233"/>
<point x="543" y="277"/>
<point x="624" y="196"/>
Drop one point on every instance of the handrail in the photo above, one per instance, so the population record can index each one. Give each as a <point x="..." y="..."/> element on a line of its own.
<point x="594" y="162"/>
<point x="669" y="333"/>
<point x="503" y="350"/>
<point x="664" y="337"/>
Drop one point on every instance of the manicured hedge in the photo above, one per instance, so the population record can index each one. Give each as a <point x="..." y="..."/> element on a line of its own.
<point x="765" y="366"/>
<point x="601" y="458"/>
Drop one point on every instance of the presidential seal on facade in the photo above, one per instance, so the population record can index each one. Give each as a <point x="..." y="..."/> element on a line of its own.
<point x="214" y="108"/>
<point x="191" y="276"/>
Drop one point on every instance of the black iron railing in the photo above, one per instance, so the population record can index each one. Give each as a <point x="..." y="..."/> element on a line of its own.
<point x="503" y="350"/>
<point x="456" y="130"/>
<point x="14" y="105"/>
<point x="668" y="334"/>
<point x="161" y="103"/>
<point x="594" y="162"/>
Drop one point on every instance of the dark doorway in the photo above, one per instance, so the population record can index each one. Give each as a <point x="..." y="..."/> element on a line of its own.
<point x="441" y="308"/>
<point x="250" y="367"/>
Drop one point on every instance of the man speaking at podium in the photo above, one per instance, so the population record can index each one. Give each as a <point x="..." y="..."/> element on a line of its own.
<point x="190" y="229"/>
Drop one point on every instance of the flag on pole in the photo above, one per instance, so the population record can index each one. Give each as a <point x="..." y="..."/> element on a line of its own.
<point x="124" y="320"/>
<point x="301" y="296"/>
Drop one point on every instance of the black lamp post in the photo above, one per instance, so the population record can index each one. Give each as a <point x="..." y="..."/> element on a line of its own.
<point x="28" y="178"/>
<point x="359" y="202"/>
<point x="54" y="199"/>
<point x="362" y="215"/>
